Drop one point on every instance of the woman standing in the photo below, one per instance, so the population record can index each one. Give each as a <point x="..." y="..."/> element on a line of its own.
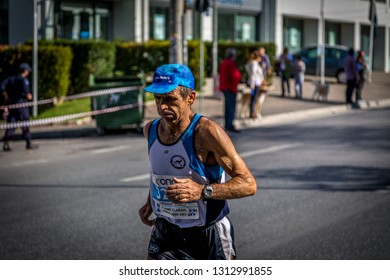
<point x="255" y="79"/>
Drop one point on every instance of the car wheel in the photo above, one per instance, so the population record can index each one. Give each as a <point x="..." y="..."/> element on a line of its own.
<point x="341" y="77"/>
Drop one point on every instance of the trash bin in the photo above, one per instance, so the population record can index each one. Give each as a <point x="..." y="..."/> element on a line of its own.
<point x="124" y="118"/>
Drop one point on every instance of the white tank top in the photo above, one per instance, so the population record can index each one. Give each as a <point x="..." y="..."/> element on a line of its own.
<point x="180" y="160"/>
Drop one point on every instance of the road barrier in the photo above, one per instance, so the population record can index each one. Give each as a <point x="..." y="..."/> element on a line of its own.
<point x="63" y="118"/>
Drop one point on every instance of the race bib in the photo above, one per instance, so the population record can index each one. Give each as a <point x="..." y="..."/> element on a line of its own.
<point x="165" y="206"/>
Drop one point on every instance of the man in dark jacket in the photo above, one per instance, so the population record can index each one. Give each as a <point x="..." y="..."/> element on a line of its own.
<point x="351" y="73"/>
<point x="16" y="91"/>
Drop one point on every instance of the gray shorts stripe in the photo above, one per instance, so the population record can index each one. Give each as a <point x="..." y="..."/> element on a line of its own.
<point x="225" y="231"/>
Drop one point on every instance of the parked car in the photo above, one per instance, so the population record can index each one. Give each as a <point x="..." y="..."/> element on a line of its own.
<point x="334" y="57"/>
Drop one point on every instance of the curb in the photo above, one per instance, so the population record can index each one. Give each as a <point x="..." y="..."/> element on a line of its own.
<point x="290" y="117"/>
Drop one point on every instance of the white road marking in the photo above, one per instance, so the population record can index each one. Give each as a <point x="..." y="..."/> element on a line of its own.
<point x="110" y="149"/>
<point x="30" y="162"/>
<point x="244" y="155"/>
<point x="136" y="178"/>
<point x="269" y="150"/>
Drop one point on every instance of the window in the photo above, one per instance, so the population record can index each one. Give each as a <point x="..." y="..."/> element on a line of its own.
<point x="159" y="23"/>
<point x="226" y="27"/>
<point x="238" y="28"/>
<point x="84" y="21"/>
<point x="332" y="33"/>
<point x="292" y="34"/>
<point x="245" y="29"/>
<point x="3" y="21"/>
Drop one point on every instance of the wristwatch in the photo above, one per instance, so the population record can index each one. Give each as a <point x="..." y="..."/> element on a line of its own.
<point x="207" y="191"/>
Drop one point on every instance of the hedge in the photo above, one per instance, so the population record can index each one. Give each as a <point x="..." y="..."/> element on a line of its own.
<point x="104" y="59"/>
<point x="133" y="58"/>
<point x="96" y="57"/>
<point x="53" y="67"/>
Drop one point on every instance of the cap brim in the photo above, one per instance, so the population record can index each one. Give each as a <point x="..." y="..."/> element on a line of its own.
<point x="160" y="88"/>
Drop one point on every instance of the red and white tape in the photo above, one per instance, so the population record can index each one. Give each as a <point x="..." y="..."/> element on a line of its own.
<point x="71" y="97"/>
<point x="68" y="117"/>
<point x="63" y="118"/>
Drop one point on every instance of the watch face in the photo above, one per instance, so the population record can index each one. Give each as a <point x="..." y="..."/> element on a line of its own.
<point x="208" y="191"/>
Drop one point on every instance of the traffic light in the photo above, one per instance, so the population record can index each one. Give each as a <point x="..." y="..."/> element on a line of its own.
<point x="201" y="5"/>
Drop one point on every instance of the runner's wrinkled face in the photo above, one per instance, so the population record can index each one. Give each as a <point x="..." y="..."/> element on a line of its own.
<point x="172" y="106"/>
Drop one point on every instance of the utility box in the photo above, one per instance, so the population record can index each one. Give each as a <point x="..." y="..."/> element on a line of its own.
<point x="126" y="118"/>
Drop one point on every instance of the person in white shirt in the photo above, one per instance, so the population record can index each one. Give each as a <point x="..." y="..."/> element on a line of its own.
<point x="255" y="79"/>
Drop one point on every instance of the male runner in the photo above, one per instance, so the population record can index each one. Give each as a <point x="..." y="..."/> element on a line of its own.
<point x="189" y="155"/>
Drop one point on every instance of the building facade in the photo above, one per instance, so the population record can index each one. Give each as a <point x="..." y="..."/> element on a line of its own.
<point x="288" y="23"/>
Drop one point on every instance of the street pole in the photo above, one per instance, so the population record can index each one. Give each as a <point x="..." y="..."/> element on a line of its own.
<point x="176" y="42"/>
<point x="322" y="45"/>
<point x="201" y="52"/>
<point x="184" y="37"/>
<point x="35" y="60"/>
<point x="215" y="39"/>
<point x="371" y="50"/>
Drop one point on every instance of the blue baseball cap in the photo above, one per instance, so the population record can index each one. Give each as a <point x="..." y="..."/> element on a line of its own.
<point x="169" y="76"/>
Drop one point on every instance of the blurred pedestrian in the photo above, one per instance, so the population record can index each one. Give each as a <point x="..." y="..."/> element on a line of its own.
<point x="299" y="76"/>
<point x="229" y="78"/>
<point x="351" y="74"/>
<point x="2" y="98"/>
<point x="189" y="155"/>
<point x="16" y="91"/>
<point x="284" y="62"/>
<point x="255" y="80"/>
<point x="265" y="62"/>
<point x="361" y="68"/>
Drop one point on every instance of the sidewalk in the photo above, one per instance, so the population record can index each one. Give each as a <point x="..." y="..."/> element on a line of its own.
<point x="276" y="110"/>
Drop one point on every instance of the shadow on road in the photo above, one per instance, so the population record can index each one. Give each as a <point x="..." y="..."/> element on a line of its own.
<point x="327" y="178"/>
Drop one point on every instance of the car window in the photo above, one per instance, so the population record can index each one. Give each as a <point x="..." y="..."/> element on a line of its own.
<point x="312" y="53"/>
<point x="333" y="53"/>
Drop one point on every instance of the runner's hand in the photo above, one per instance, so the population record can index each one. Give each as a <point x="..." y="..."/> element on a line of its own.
<point x="145" y="213"/>
<point x="184" y="190"/>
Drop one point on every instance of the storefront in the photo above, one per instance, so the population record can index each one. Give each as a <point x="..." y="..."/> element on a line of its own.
<point x="83" y="20"/>
<point x="238" y="20"/>
<point x="293" y="24"/>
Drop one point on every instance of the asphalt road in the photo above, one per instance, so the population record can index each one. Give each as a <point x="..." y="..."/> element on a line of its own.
<point x="324" y="193"/>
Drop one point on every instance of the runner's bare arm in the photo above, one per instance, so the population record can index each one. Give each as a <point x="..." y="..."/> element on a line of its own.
<point x="217" y="143"/>
<point x="214" y="146"/>
<point x="146" y="210"/>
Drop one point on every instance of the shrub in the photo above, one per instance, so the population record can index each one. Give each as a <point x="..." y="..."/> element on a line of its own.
<point x="90" y="57"/>
<point x="133" y="58"/>
<point x="53" y="67"/>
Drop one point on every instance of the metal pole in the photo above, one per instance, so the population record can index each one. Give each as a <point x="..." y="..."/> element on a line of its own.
<point x="322" y="44"/>
<point x="371" y="50"/>
<point x="184" y="37"/>
<point x="215" y="39"/>
<point x="201" y="65"/>
<point x="35" y="60"/>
